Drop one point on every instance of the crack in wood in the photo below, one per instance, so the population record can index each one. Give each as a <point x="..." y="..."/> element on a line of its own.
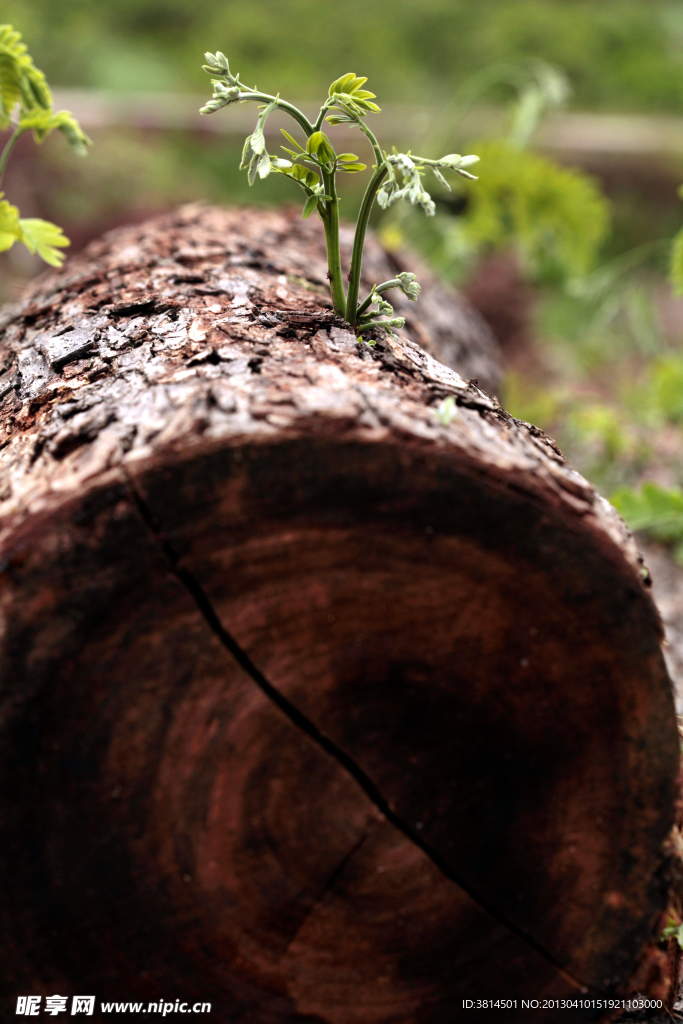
<point x="324" y="742"/>
<point x="327" y="888"/>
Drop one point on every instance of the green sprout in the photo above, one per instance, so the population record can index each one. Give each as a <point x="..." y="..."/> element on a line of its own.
<point x="26" y="106"/>
<point x="673" y="931"/>
<point x="314" y="167"/>
<point x="447" y="410"/>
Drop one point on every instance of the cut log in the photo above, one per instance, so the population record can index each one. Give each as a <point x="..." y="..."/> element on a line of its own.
<point x="330" y="692"/>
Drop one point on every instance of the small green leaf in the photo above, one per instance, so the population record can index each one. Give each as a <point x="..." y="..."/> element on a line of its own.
<point x="447" y="410"/>
<point x="319" y="144"/>
<point x="326" y="153"/>
<point x="440" y="178"/>
<point x="352" y="168"/>
<point x="10" y="232"/>
<point x="355" y="85"/>
<point x="258" y="140"/>
<point x="21" y="83"/>
<point x="293" y="141"/>
<point x="309" y="206"/>
<point x="347" y="158"/>
<point x="42" y="122"/>
<point x="314" y="142"/>
<point x="346" y="93"/>
<point x="264" y="165"/>
<point x="340" y="83"/>
<point x="247" y="153"/>
<point x="44" y="238"/>
<point x="252" y="169"/>
<point x="673" y="931"/>
<point x="308" y="179"/>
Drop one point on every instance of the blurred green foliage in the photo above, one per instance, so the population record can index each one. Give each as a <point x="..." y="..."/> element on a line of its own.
<point x="655" y="510"/>
<point x="664" y="396"/>
<point x="619" y="55"/>
<point x="598" y="434"/>
<point x="26" y="106"/>
<point x="619" y="423"/>
<point x="556" y="217"/>
<point x="553" y="218"/>
<point x="601" y="319"/>
<point x="676" y="266"/>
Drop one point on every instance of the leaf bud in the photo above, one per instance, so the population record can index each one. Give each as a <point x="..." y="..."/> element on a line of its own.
<point x="408" y="284"/>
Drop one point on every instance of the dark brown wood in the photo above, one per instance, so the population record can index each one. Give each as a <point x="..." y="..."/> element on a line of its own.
<point x="319" y="703"/>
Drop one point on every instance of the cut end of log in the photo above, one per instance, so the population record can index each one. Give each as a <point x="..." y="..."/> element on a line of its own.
<point x="319" y="706"/>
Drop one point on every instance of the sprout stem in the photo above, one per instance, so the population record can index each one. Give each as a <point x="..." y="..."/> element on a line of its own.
<point x="359" y="241"/>
<point x="330" y="218"/>
<point x="8" y="149"/>
<point x="262" y="97"/>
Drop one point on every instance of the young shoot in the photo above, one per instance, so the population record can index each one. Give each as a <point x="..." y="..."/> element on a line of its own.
<point x="314" y="166"/>
<point x="26" y="106"/>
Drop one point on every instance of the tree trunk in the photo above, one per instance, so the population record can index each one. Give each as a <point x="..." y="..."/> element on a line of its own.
<point x="323" y="699"/>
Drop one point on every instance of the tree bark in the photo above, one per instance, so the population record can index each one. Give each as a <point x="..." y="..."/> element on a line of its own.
<point x="322" y="700"/>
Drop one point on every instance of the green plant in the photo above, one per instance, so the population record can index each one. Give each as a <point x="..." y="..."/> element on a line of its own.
<point x="673" y="931"/>
<point x="315" y="167"/>
<point x="621" y="55"/>
<point x="26" y="106"/>
<point x="553" y="218"/>
<point x="664" y="389"/>
<point x="676" y="262"/>
<point x="654" y="510"/>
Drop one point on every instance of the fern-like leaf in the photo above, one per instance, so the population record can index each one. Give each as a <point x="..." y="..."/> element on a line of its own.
<point x="10" y="232"/>
<point x="45" y="239"/>
<point x="21" y="83"/>
<point x="42" y="122"/>
<point x="26" y="105"/>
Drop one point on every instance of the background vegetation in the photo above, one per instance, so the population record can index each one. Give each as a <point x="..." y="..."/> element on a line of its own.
<point x="570" y="263"/>
<point x="619" y="54"/>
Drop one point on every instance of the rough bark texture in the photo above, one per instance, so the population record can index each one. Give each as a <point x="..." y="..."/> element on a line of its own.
<point x="319" y="703"/>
